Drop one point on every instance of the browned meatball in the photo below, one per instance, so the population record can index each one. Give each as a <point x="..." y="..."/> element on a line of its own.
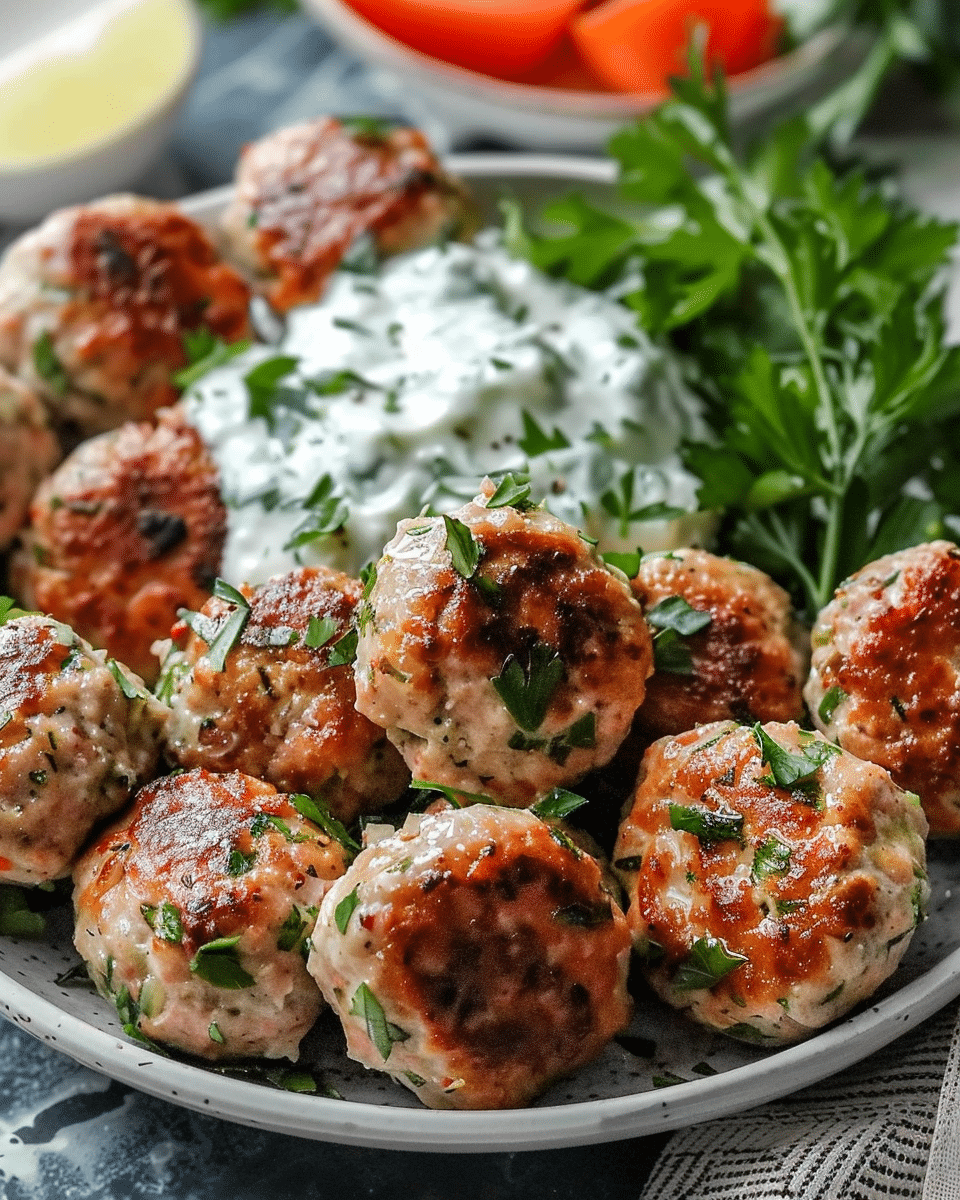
<point x="306" y="193"/>
<point x="127" y="530"/>
<point x="281" y="705"/>
<point x="474" y="957"/>
<point x="774" y="879"/>
<point x="94" y="305"/>
<point x="78" y="735"/>
<point x="193" y="913"/>
<point x="28" y="451"/>
<point x="885" y="675"/>
<point x="742" y="658"/>
<point x="499" y="652"/>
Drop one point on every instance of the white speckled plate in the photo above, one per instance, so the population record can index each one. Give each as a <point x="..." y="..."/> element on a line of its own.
<point x="616" y="1097"/>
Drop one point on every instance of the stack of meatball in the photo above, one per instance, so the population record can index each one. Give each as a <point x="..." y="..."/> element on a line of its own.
<point x="267" y="852"/>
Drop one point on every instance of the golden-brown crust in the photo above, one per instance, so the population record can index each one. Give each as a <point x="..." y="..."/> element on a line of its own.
<point x="812" y="870"/>
<point x="889" y="640"/>
<point x="176" y="845"/>
<point x="746" y="664"/>
<point x="130" y="528"/>
<point x="310" y="191"/>
<point x="278" y="710"/>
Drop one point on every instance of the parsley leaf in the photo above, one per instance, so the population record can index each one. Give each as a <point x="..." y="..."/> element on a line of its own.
<point x="218" y="963"/>
<point x="558" y="804"/>
<point x="772" y="857"/>
<point x="527" y="692"/>
<point x="512" y="491"/>
<point x="262" y="383"/>
<point x="535" y="442"/>
<point x="316" y="811"/>
<point x="319" y="631"/>
<point x="706" y="824"/>
<point x="706" y="964"/>
<point x="48" y="366"/>
<point x="328" y="512"/>
<point x="793" y="771"/>
<point x="204" y="353"/>
<point x="464" y="549"/>
<point x="345" y="909"/>
<point x="383" y="1033"/>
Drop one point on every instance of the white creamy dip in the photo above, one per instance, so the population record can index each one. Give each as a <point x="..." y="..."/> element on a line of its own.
<point x="406" y="385"/>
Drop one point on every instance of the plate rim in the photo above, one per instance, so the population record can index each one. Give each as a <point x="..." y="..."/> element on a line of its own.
<point x="360" y="1123"/>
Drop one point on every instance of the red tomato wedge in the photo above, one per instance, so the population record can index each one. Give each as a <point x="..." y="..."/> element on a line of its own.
<point x="497" y="37"/>
<point x="636" y="45"/>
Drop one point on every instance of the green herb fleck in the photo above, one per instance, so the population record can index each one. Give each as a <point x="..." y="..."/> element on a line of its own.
<point x="707" y="962"/>
<point x="527" y="692"/>
<point x="345" y="909"/>
<point x="772" y="857"/>
<point x="707" y="825"/>
<point x="218" y="963"/>
<point x="832" y="699"/>
<point x="383" y="1033"/>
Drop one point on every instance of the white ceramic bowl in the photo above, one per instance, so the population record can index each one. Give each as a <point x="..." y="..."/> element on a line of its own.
<point x="104" y="164"/>
<point x="471" y="105"/>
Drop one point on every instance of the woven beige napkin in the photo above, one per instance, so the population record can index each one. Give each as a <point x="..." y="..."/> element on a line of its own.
<point x="865" y="1134"/>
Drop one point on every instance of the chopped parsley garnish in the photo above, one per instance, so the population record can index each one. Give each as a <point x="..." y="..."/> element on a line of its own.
<point x="558" y="804"/>
<point x="771" y="857"/>
<point x="795" y="772"/>
<point x="582" y="734"/>
<point x="619" y="503"/>
<point x="335" y="383"/>
<point x="316" y="811"/>
<point x="229" y="630"/>
<point x="262" y="383"/>
<point x="10" y="612"/>
<point x="218" y="963"/>
<point x="707" y="825"/>
<point x="292" y="930"/>
<point x="319" y="631"/>
<point x="527" y="692"/>
<point x="626" y="561"/>
<point x="383" y="1033"/>
<point x="48" y="366"/>
<point x="345" y="909"/>
<point x="832" y="699"/>
<point x="535" y="442"/>
<point x="165" y="921"/>
<point x="204" y="353"/>
<point x="451" y="794"/>
<point x="344" y="650"/>
<point x="706" y="964"/>
<point x="676" y="613"/>
<point x="465" y="550"/>
<point x="17" y="919"/>
<point x="369" y="128"/>
<point x="126" y="685"/>
<point x="327" y="512"/>
<point x="239" y="863"/>
<point x="512" y="491"/>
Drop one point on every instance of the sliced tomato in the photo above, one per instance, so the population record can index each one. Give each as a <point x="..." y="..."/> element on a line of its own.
<point x="497" y="37"/>
<point x="636" y="45"/>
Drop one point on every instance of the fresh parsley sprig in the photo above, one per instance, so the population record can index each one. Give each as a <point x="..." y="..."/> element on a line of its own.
<point x="807" y="303"/>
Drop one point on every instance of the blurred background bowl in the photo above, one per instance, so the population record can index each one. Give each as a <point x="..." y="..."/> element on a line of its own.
<point x="115" y="155"/>
<point x="553" y="115"/>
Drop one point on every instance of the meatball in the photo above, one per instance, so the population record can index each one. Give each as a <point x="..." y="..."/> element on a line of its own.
<point x="193" y="914"/>
<point x="78" y="734"/>
<point x="473" y="956"/>
<point x="95" y="303"/>
<point x="499" y="652"/>
<point x="129" y="528"/>
<point x="281" y="706"/>
<point x="305" y="194"/>
<point x="885" y="674"/>
<point x="28" y="451"/>
<point x="774" y="880"/>
<point x="725" y="646"/>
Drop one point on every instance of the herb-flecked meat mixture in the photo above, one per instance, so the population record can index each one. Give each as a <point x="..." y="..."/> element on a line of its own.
<point x="885" y="675"/>
<point x="95" y="305"/>
<point x="774" y="880"/>
<point x="193" y="912"/>
<point x="499" y="652"/>
<point x="28" y="452"/>
<point x="126" y="531"/>
<point x="307" y="193"/>
<point x="278" y="702"/>
<point x="726" y="644"/>
<point x="475" y="956"/>
<point x="78" y="734"/>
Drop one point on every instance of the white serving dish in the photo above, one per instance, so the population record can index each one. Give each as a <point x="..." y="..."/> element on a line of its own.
<point x="471" y="105"/>
<point x="103" y="165"/>
<point x="614" y="1098"/>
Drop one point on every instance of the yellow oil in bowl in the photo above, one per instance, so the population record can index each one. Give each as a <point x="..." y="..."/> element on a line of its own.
<point x="92" y="78"/>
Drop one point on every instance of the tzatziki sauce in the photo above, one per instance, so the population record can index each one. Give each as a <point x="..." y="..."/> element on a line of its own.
<point x="409" y="382"/>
